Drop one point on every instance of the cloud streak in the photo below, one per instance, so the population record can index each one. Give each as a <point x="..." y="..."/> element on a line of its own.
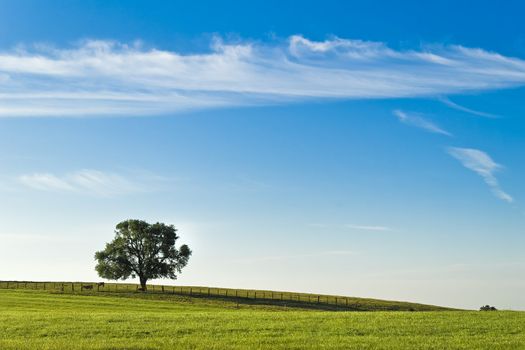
<point x="105" y="78"/>
<point x="368" y="228"/>
<point x="330" y="253"/>
<point x="454" y="105"/>
<point x="419" y="122"/>
<point x="483" y="165"/>
<point x="352" y="227"/>
<point x="91" y="182"/>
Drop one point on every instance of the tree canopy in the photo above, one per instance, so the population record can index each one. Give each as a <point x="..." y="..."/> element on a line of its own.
<point x="142" y="250"/>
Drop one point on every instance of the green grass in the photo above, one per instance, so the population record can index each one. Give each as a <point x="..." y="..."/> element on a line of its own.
<point x="49" y="320"/>
<point x="243" y="296"/>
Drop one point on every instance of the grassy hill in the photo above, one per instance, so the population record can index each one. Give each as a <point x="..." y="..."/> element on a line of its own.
<point x="37" y="319"/>
<point x="239" y="296"/>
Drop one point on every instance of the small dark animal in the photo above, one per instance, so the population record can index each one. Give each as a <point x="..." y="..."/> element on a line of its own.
<point x="101" y="284"/>
<point x="87" y="286"/>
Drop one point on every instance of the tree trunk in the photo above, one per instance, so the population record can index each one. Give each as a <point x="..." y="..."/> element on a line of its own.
<point x="143" y="281"/>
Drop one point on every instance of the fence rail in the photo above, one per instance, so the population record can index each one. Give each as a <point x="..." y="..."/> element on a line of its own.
<point x="93" y="287"/>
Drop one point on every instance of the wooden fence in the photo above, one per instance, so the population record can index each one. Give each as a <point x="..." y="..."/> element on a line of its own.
<point x="91" y="287"/>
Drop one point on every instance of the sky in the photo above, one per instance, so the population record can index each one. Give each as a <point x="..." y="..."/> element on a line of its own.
<point x="371" y="149"/>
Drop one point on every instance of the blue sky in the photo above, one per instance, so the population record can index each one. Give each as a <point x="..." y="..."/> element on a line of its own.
<point x="372" y="149"/>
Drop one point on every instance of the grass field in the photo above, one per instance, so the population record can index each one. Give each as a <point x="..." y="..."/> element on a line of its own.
<point x="244" y="296"/>
<point x="32" y="319"/>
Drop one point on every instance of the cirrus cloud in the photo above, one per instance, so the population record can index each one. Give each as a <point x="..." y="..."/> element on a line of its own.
<point x="99" y="78"/>
<point x="483" y="165"/>
<point x="87" y="181"/>
<point x="368" y="227"/>
<point x="419" y="122"/>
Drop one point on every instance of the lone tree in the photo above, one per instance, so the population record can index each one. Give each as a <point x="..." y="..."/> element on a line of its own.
<point x="487" y="308"/>
<point x="142" y="250"/>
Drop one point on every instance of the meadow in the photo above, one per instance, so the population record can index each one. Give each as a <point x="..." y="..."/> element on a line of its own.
<point x="244" y="296"/>
<point x="43" y="319"/>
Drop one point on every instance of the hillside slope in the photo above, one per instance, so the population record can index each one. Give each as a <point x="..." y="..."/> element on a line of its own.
<point x="239" y="296"/>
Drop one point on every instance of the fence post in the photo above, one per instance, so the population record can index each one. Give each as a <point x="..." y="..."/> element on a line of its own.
<point x="190" y="290"/>
<point x="318" y="299"/>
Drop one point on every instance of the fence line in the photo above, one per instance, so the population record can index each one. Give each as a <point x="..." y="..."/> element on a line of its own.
<point x="91" y="287"/>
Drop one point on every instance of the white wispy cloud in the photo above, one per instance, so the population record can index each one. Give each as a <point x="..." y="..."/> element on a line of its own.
<point x="419" y="122"/>
<point x="99" y="78"/>
<point x="87" y="181"/>
<point x="33" y="237"/>
<point x="296" y="256"/>
<point x="483" y="165"/>
<point x="454" y="105"/>
<point x="368" y="227"/>
<point x="351" y="226"/>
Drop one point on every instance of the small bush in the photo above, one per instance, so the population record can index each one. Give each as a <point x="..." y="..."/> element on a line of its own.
<point x="488" y="308"/>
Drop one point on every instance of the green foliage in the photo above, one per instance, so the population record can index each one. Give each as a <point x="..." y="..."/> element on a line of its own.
<point x="487" y="308"/>
<point x="142" y="250"/>
<point x="43" y="320"/>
